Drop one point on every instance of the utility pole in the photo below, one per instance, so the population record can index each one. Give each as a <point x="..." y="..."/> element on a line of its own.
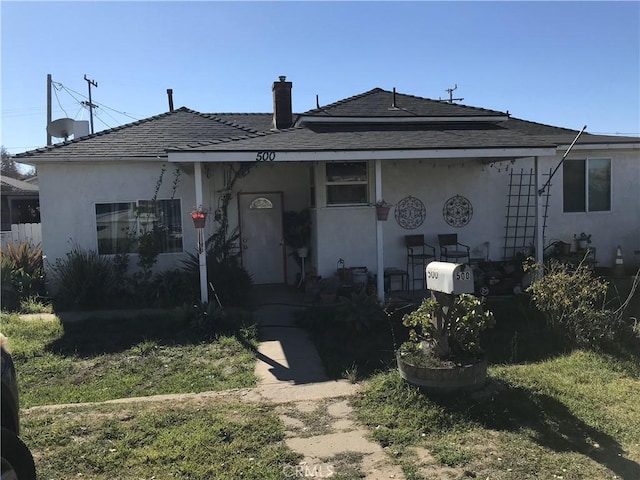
<point x="48" y="108"/>
<point x="89" y="103"/>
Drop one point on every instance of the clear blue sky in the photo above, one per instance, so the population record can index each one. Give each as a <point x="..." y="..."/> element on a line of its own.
<point x="561" y="63"/>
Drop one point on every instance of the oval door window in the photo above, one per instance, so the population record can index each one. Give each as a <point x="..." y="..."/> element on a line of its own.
<point x="260" y="203"/>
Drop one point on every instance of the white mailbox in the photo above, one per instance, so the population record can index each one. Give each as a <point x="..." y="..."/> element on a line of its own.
<point x="452" y="278"/>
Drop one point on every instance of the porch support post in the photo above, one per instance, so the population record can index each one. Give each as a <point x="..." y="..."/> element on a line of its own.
<point x="202" y="256"/>
<point x="539" y="245"/>
<point x="379" y="236"/>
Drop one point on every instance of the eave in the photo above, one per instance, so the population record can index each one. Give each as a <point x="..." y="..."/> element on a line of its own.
<point x="408" y="119"/>
<point x="355" y="155"/>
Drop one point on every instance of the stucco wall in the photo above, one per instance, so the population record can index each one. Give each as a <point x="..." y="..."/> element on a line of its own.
<point x="292" y="179"/>
<point x="620" y="226"/>
<point x="69" y="192"/>
<point x="433" y="183"/>
<point x="347" y="233"/>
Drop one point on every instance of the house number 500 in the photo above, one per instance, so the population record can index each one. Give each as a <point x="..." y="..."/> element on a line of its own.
<point x="266" y="156"/>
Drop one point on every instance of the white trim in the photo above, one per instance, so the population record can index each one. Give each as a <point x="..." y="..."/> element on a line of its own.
<point x="355" y="155"/>
<point x="602" y="146"/>
<point x="403" y="119"/>
<point x="379" y="234"/>
<point x="91" y="159"/>
<point x="202" y="256"/>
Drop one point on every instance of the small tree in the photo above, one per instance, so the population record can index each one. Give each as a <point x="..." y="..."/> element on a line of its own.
<point x="10" y="168"/>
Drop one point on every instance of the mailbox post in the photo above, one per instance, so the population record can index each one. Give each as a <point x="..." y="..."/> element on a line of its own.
<point x="446" y="281"/>
<point x="449" y="278"/>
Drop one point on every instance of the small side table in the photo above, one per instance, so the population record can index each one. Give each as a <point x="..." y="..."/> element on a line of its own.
<point x="391" y="272"/>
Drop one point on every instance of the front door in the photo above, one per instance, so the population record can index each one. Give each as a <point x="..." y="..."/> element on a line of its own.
<point x="263" y="251"/>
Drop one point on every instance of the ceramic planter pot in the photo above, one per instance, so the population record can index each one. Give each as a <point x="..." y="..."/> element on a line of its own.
<point x="465" y="378"/>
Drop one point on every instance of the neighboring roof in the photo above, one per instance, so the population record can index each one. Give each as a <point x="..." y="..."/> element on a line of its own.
<point x="145" y="138"/>
<point x="321" y="129"/>
<point x="13" y="185"/>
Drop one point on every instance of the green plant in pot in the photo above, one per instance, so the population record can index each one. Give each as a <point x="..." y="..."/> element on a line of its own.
<point x="297" y="231"/>
<point x="443" y="352"/>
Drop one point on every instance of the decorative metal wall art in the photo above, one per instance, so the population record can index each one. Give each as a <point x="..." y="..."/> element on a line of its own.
<point x="410" y="212"/>
<point x="457" y="211"/>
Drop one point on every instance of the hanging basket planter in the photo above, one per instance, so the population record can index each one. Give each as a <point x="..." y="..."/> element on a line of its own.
<point x="199" y="219"/>
<point x="382" y="210"/>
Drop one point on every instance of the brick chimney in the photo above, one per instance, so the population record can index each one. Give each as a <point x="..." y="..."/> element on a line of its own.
<point x="282" y="110"/>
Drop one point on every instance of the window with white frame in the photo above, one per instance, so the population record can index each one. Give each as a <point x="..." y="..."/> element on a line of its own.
<point x="347" y="183"/>
<point x="586" y="185"/>
<point x="118" y="225"/>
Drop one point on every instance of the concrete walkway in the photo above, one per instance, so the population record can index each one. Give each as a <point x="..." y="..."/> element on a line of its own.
<point x="319" y="421"/>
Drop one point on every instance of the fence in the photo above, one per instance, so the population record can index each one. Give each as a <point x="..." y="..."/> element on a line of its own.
<point x="22" y="233"/>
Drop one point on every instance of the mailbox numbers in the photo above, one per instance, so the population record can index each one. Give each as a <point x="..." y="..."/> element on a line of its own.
<point x="266" y="156"/>
<point x="432" y="274"/>
<point x="463" y="275"/>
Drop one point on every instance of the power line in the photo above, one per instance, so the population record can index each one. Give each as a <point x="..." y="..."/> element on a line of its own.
<point x="105" y="123"/>
<point x="55" y="91"/>
<point x="69" y="90"/>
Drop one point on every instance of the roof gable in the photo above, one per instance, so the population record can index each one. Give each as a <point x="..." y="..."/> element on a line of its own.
<point x="383" y="103"/>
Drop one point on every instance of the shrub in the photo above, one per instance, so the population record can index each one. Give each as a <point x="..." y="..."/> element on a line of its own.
<point x="10" y="294"/>
<point x="451" y="334"/>
<point x="175" y="287"/>
<point x="210" y="320"/>
<point x="573" y="302"/>
<point x="22" y="274"/>
<point x="359" y="311"/>
<point x="232" y="283"/>
<point x="84" y="279"/>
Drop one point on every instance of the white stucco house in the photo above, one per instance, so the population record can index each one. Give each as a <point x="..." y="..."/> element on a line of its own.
<point x="445" y="168"/>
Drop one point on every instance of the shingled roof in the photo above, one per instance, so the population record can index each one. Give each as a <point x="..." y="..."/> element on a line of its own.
<point x="146" y="138"/>
<point x="185" y="129"/>
<point x="383" y="103"/>
<point x="377" y="137"/>
<point x="15" y="186"/>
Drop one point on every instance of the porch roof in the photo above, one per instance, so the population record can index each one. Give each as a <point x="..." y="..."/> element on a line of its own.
<point x="321" y="142"/>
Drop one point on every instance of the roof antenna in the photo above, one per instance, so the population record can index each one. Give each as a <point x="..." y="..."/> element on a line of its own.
<point x="317" y="102"/>
<point x="450" y="92"/>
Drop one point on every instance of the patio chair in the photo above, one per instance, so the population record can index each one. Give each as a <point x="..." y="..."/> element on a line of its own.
<point x="451" y="249"/>
<point x="418" y="255"/>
